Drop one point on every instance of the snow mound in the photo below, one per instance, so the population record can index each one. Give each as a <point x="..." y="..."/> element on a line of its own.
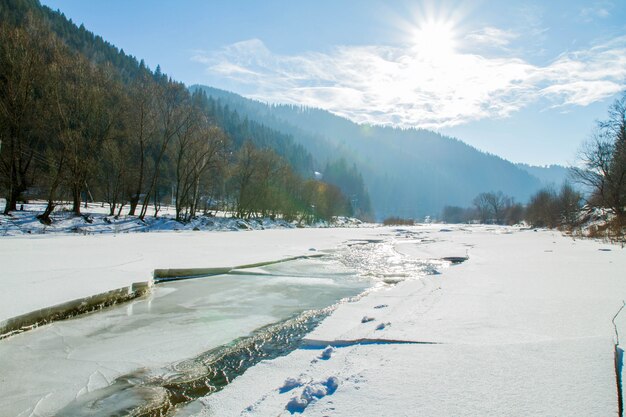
<point x="311" y="393"/>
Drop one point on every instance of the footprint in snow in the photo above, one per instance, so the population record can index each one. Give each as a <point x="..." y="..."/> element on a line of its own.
<point x="381" y="326"/>
<point x="327" y="353"/>
<point x="289" y="384"/>
<point x="311" y="393"/>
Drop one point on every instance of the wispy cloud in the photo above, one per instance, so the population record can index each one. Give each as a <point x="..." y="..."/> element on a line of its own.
<point x="491" y="37"/>
<point x="589" y="12"/>
<point x="394" y="85"/>
<point x="599" y="10"/>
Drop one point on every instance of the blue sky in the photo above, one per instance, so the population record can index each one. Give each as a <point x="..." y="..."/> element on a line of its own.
<point x="525" y="80"/>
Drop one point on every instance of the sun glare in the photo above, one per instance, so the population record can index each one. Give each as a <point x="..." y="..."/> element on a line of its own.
<point x="434" y="39"/>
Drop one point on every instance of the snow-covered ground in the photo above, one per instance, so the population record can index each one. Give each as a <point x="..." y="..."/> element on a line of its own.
<point x="522" y="328"/>
<point x="80" y="256"/>
<point x="46" y="270"/>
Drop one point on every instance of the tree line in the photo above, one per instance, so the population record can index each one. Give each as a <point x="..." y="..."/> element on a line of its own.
<point x="600" y="172"/>
<point x="548" y="207"/>
<point x="75" y="126"/>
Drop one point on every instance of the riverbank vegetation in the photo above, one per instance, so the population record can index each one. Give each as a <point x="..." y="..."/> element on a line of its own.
<point x="82" y="121"/>
<point x="597" y="207"/>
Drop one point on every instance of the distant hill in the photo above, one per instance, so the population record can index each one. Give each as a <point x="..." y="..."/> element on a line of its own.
<point x="408" y="172"/>
<point x="551" y="175"/>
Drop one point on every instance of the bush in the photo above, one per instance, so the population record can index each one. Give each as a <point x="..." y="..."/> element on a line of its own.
<point x="547" y="208"/>
<point x="397" y="221"/>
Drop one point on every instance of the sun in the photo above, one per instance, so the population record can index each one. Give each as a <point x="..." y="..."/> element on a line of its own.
<point x="434" y="39"/>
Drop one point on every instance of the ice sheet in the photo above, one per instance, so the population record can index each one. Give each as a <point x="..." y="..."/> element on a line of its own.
<point x="46" y="270"/>
<point x="180" y="320"/>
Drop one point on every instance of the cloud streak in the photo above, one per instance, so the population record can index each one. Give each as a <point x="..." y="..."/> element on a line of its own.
<point x="491" y="37"/>
<point x="399" y="86"/>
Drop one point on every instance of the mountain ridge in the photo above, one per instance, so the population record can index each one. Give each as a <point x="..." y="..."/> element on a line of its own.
<point x="408" y="172"/>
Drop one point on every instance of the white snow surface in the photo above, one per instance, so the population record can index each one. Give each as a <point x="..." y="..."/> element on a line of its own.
<point x="523" y="328"/>
<point x="46" y="270"/>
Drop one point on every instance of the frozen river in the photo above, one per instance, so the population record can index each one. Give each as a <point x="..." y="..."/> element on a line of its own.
<point x="114" y="360"/>
<point x="530" y="314"/>
<point x="179" y="320"/>
<point x="120" y="358"/>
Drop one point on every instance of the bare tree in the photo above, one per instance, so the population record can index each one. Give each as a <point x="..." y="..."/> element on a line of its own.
<point x="59" y="127"/>
<point x="547" y="208"/>
<point x="25" y="53"/>
<point x="255" y="179"/>
<point x="89" y="102"/>
<point x="142" y="128"/>
<point x="569" y="204"/>
<point x="114" y="173"/>
<point x="198" y="148"/>
<point x="482" y="207"/>
<point x="491" y="206"/>
<point x="170" y="118"/>
<point x="603" y="162"/>
<point x="514" y="213"/>
<point x="542" y="209"/>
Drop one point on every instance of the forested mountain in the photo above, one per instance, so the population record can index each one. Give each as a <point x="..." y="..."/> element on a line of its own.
<point x="345" y="174"/>
<point x="79" y="120"/>
<point x="408" y="172"/>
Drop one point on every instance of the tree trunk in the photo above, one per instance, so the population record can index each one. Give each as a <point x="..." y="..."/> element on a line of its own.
<point x="17" y="187"/>
<point x="157" y="203"/>
<point x="45" y="216"/>
<point x="11" y="204"/>
<point x="119" y="211"/>
<point x="134" y="202"/>
<point x="76" y="200"/>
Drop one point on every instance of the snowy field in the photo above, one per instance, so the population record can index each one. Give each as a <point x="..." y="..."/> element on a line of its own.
<point x="522" y="328"/>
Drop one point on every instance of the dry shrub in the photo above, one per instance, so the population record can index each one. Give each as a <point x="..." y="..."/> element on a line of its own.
<point x="397" y="221"/>
<point x="612" y="231"/>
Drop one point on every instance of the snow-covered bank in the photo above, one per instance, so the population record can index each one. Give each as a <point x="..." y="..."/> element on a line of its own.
<point x="96" y="220"/>
<point x="523" y="328"/>
<point x="45" y="270"/>
<point x="83" y="281"/>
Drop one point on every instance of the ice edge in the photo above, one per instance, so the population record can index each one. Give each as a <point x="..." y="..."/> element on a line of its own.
<point x="69" y="309"/>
